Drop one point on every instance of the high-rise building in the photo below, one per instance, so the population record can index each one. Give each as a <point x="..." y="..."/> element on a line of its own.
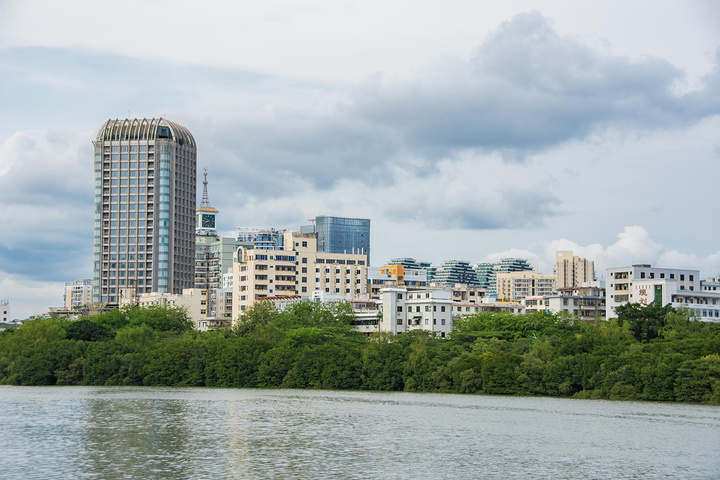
<point x="341" y="235"/>
<point x="571" y="270"/>
<point x="145" y="191"/>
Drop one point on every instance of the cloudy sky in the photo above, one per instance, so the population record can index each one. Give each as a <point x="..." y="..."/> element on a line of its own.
<point x="464" y="129"/>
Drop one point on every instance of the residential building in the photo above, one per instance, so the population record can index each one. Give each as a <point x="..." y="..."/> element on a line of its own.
<point x="455" y="271"/>
<point x="487" y="272"/>
<point x="679" y="293"/>
<point x="261" y="238"/>
<point x="368" y="316"/>
<point x="145" y="182"/>
<point x="489" y="304"/>
<point x="584" y="303"/>
<point x="404" y="310"/>
<point x="710" y="284"/>
<point x="571" y="270"/>
<point x="341" y="234"/>
<point x="298" y="269"/>
<point x="195" y="301"/>
<point x="464" y="293"/>
<point x="77" y="294"/>
<point x="514" y="286"/>
<point x="4" y="310"/>
<point x="394" y="275"/>
<point x="621" y="282"/>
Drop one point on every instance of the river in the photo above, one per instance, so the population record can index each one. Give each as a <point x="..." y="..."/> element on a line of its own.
<point x="201" y="433"/>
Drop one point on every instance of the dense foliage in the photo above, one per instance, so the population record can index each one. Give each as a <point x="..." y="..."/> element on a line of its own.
<point x="649" y="353"/>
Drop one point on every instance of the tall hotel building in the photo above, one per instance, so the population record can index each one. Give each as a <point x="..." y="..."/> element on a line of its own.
<point x="144" y="239"/>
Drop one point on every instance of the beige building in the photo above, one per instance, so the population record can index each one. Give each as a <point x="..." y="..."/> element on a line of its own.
<point x="514" y="286"/>
<point x="194" y="300"/>
<point x="297" y="269"/>
<point x="571" y="270"/>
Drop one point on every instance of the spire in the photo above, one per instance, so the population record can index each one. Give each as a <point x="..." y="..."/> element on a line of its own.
<point x="205" y="202"/>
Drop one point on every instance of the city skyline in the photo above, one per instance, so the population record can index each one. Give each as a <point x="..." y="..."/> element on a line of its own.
<point x="467" y="131"/>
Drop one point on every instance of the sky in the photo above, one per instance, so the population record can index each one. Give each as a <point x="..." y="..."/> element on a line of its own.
<point x="465" y="129"/>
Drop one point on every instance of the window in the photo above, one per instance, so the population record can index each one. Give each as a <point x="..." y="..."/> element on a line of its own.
<point x="399" y="308"/>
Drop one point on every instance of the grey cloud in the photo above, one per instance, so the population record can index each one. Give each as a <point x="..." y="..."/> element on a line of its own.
<point x="528" y="89"/>
<point x="46" y="204"/>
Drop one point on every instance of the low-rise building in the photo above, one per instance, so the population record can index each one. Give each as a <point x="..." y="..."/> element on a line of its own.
<point x="704" y="305"/>
<point x="622" y="280"/>
<point x="405" y="310"/>
<point x="195" y="301"/>
<point x="584" y="303"/>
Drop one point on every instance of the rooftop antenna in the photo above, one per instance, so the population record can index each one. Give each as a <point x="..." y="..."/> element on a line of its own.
<point x="205" y="202"/>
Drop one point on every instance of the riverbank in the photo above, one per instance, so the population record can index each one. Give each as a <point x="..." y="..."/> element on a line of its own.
<point x="651" y="354"/>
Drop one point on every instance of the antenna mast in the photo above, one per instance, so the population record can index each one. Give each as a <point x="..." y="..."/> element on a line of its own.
<point x="205" y="202"/>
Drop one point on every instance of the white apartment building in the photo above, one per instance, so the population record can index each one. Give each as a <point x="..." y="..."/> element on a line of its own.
<point x="704" y="304"/>
<point x="622" y="282"/>
<point x="460" y="309"/>
<point x="404" y="311"/>
<point x="77" y="294"/>
<point x="583" y="303"/>
<point x="5" y="311"/>
<point x="297" y="269"/>
<point x="514" y="286"/>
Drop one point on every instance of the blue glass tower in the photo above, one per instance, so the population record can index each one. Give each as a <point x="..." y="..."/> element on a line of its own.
<point x="343" y="235"/>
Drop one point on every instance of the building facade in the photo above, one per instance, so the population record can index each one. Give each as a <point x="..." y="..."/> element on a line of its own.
<point x="145" y="191"/>
<point x="78" y="294"/>
<point x="571" y="270"/>
<point x="405" y="310"/>
<point x="487" y="272"/>
<point x="342" y="235"/>
<point x="455" y="271"/>
<point x="298" y="269"/>
<point x="4" y="311"/>
<point x="621" y="283"/>
<point x="584" y="303"/>
<point x="515" y="286"/>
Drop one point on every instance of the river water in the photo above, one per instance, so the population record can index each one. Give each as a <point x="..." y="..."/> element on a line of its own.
<point x="199" y="433"/>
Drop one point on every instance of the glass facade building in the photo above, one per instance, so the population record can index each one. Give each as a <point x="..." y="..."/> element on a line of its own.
<point x="145" y="193"/>
<point x="343" y="235"/>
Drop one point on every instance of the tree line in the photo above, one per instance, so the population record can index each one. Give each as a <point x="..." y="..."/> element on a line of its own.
<point x="648" y="353"/>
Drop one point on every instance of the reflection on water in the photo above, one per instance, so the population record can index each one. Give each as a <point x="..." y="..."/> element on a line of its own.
<point x="78" y="432"/>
